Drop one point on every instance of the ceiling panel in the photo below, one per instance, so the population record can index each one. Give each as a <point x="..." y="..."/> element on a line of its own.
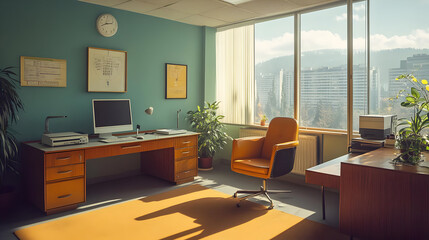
<point x="202" y="21"/>
<point x="272" y="8"/>
<point x="197" y="6"/>
<point x="168" y="14"/>
<point x="159" y="2"/>
<point x="230" y="14"/>
<point x="137" y="6"/>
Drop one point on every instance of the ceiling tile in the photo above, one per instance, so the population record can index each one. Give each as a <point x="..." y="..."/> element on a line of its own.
<point x="168" y="13"/>
<point x="309" y="3"/>
<point x="159" y="2"/>
<point x="202" y="21"/>
<point x="108" y="3"/>
<point x="196" y="6"/>
<point x="137" y="6"/>
<point x="230" y="14"/>
<point x="272" y="7"/>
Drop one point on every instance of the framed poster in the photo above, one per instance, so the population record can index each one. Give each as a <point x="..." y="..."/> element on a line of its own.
<point x="107" y="70"/>
<point x="43" y="72"/>
<point x="176" y="77"/>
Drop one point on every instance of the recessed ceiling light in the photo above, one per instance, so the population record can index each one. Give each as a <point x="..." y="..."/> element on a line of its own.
<point x="236" y="2"/>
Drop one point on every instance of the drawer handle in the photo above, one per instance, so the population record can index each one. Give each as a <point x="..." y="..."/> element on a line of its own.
<point x="186" y="142"/>
<point x="185" y="152"/>
<point x="64" y="172"/>
<point x="64" y="158"/>
<point x="64" y="196"/>
<point x="128" y="147"/>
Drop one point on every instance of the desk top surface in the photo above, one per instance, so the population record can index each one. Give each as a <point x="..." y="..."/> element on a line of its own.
<point x="95" y="142"/>
<point x="380" y="158"/>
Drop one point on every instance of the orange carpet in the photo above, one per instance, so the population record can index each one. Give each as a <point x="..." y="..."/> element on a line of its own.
<point x="192" y="212"/>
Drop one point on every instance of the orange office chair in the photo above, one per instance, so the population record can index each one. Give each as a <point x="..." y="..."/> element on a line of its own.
<point x="266" y="157"/>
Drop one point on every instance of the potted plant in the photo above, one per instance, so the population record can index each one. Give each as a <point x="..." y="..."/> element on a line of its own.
<point x="212" y="135"/>
<point x="263" y="120"/>
<point x="410" y="139"/>
<point x="10" y="104"/>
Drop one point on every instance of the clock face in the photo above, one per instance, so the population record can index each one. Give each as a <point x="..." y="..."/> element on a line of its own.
<point x="107" y="25"/>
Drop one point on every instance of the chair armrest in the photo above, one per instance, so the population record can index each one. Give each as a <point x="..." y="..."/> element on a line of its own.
<point x="247" y="147"/>
<point x="281" y="146"/>
<point x="285" y="145"/>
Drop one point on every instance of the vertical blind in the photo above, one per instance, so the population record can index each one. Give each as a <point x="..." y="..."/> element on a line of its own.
<point x="235" y="85"/>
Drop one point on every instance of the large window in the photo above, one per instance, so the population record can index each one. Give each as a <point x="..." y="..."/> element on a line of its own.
<point x="274" y="68"/>
<point x="387" y="43"/>
<point x="399" y="44"/>
<point x="323" y="98"/>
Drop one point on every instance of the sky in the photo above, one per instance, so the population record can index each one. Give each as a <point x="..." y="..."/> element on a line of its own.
<point x="394" y="24"/>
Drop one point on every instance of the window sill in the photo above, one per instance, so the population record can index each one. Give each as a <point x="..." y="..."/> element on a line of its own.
<point x="302" y="130"/>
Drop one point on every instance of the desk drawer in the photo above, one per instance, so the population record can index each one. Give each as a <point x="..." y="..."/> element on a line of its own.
<point x="185" y="165"/>
<point x="185" y="142"/>
<point x="65" y="193"/>
<point x="185" y="152"/>
<point x="62" y="172"/>
<point x="126" y="148"/>
<point x="186" y="174"/>
<point x="64" y="158"/>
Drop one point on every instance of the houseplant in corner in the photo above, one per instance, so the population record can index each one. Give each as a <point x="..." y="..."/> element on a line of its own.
<point x="410" y="139"/>
<point x="212" y="135"/>
<point x="10" y="104"/>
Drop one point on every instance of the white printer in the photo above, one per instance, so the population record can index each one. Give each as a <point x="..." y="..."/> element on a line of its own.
<point x="376" y="126"/>
<point x="64" y="138"/>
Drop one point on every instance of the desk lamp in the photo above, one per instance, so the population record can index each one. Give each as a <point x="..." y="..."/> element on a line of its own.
<point x="148" y="111"/>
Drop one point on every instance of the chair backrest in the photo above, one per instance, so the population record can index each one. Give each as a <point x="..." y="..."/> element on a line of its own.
<point x="281" y="129"/>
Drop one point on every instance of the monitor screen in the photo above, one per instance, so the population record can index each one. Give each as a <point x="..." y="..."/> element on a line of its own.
<point x="112" y="115"/>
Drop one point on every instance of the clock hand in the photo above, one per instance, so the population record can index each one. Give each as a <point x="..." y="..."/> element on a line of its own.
<point x="106" y="24"/>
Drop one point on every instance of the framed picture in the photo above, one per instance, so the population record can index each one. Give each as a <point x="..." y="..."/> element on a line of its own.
<point x="107" y="70"/>
<point x="43" y="72"/>
<point x="176" y="77"/>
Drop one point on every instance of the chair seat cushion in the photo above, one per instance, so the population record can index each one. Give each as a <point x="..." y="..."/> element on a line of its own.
<point x="257" y="165"/>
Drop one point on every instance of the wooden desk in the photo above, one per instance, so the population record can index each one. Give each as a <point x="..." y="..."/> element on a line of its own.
<point x="327" y="174"/>
<point x="55" y="177"/>
<point x="378" y="200"/>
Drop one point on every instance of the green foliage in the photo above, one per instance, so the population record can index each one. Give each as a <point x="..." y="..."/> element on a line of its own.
<point x="10" y="104"/>
<point x="212" y="135"/>
<point x="409" y="138"/>
<point x="411" y="146"/>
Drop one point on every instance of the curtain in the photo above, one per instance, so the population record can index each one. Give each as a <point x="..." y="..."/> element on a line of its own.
<point x="235" y="85"/>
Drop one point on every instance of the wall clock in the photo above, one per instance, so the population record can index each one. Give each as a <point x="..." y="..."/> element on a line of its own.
<point x="107" y="25"/>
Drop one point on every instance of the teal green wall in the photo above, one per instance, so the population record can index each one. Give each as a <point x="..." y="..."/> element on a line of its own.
<point x="64" y="29"/>
<point x="210" y="64"/>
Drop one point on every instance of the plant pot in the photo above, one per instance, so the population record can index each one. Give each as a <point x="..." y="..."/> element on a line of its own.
<point x="7" y="199"/>
<point x="262" y="122"/>
<point x="205" y="163"/>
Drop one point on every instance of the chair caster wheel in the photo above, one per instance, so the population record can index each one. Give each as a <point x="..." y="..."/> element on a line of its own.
<point x="238" y="205"/>
<point x="235" y="195"/>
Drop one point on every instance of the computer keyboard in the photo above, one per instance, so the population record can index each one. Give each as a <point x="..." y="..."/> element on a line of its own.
<point x="119" y="139"/>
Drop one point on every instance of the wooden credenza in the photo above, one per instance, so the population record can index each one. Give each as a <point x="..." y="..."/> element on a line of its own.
<point x="55" y="177"/>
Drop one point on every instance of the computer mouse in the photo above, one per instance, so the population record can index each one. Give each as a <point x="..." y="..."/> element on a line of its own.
<point x="140" y="137"/>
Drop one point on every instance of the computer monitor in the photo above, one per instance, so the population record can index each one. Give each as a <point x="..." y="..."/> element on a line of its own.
<point x="111" y="115"/>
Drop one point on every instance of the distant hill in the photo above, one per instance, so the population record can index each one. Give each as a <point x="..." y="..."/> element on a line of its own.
<point x="333" y="58"/>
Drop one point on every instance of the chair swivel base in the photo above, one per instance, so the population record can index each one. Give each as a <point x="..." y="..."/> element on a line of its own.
<point x="264" y="191"/>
